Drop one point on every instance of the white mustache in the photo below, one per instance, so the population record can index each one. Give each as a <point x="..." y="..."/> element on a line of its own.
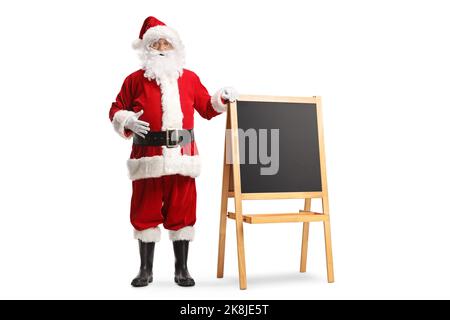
<point x="161" y="64"/>
<point x="154" y="53"/>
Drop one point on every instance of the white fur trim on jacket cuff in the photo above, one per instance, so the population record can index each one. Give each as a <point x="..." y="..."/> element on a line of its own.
<point x="186" y="233"/>
<point x="118" y="121"/>
<point x="216" y="102"/>
<point x="148" y="235"/>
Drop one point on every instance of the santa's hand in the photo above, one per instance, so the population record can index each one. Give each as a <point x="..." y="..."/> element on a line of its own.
<point x="137" y="126"/>
<point x="229" y="94"/>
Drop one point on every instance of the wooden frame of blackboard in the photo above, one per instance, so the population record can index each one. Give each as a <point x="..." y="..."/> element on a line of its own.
<point x="231" y="188"/>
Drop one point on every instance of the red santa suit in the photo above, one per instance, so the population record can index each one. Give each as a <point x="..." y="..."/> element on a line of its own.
<point x="163" y="178"/>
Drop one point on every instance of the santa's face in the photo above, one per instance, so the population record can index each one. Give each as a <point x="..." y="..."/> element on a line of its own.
<point x="161" y="45"/>
<point x="161" y="60"/>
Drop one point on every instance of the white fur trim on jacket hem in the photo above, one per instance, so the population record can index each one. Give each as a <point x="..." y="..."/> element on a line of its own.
<point x="167" y="164"/>
<point x="216" y="102"/>
<point x="118" y="122"/>
<point x="148" y="235"/>
<point x="186" y="233"/>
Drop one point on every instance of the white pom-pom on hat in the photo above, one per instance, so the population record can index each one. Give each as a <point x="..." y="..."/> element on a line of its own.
<point x="137" y="44"/>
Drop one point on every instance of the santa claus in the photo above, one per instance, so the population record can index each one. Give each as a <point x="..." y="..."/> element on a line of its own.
<point x="155" y="107"/>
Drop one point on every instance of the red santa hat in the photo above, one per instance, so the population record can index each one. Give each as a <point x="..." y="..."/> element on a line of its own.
<point x="154" y="29"/>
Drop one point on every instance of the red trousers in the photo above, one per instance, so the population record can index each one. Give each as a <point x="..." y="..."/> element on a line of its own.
<point x="170" y="200"/>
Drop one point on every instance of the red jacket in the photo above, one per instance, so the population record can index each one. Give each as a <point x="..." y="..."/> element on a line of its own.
<point x="169" y="105"/>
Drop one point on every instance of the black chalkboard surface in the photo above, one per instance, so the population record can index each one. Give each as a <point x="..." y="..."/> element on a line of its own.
<point x="298" y="149"/>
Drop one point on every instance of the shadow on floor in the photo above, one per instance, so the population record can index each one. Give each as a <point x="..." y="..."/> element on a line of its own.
<point x="256" y="281"/>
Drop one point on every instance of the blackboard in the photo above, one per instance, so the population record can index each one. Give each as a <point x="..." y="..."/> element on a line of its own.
<point x="257" y="128"/>
<point x="299" y="155"/>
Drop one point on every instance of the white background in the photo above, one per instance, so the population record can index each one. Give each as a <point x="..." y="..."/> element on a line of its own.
<point x="382" y="68"/>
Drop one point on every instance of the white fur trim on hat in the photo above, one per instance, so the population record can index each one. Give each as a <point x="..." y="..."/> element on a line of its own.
<point x="158" y="32"/>
<point x="148" y="235"/>
<point x="186" y="233"/>
<point x="119" y="120"/>
<point x="216" y="102"/>
<point x="167" y="164"/>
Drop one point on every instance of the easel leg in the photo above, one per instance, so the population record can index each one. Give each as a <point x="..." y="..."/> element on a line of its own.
<point x="329" y="254"/>
<point x="327" y="234"/>
<point x="223" y="221"/>
<point x="241" y="254"/>
<point x="305" y="236"/>
<point x="233" y="124"/>
<point x="304" y="247"/>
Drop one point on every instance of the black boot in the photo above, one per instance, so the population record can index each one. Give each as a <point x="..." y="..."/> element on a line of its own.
<point x="182" y="276"/>
<point x="145" y="275"/>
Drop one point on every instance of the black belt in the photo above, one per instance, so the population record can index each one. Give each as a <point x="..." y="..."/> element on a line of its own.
<point x="169" y="138"/>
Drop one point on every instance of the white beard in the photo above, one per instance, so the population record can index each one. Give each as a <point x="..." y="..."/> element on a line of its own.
<point x="162" y="65"/>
